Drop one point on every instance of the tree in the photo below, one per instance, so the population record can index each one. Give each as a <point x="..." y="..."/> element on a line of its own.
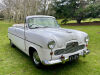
<point x="75" y="9"/>
<point x="1" y="15"/>
<point x="66" y="9"/>
<point x="17" y="10"/>
<point x="93" y="11"/>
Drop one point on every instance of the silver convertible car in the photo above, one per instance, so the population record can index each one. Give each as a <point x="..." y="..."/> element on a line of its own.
<point x="41" y="38"/>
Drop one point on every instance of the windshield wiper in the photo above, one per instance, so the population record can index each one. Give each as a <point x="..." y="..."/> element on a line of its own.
<point x="42" y="27"/>
<point x="46" y="27"/>
<point x="37" y="27"/>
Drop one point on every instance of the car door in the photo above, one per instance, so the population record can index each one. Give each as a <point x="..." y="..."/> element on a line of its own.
<point x="20" y="43"/>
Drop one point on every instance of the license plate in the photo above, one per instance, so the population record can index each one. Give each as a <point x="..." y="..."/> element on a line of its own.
<point x="74" y="57"/>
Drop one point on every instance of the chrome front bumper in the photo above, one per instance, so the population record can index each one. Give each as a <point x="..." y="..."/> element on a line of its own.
<point x="52" y="62"/>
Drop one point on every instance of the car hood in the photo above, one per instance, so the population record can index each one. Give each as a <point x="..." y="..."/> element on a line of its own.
<point x="60" y="35"/>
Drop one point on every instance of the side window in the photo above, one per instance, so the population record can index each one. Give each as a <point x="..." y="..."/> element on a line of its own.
<point x="30" y="22"/>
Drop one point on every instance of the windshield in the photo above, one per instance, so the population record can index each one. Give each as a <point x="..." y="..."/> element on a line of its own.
<point x="42" y="22"/>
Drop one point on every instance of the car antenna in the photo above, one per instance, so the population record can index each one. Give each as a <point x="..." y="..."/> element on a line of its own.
<point x="24" y="24"/>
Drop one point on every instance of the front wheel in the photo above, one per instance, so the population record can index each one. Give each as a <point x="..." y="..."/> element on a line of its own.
<point x="36" y="59"/>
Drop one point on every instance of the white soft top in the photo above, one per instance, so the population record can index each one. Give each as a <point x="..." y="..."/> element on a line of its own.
<point x="18" y="25"/>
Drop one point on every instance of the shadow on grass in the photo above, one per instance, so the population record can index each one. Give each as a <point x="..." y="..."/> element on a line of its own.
<point x="54" y="69"/>
<point x="21" y="52"/>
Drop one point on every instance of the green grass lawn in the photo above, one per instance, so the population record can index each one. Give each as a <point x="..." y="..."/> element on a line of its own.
<point x="74" y="21"/>
<point x="14" y="62"/>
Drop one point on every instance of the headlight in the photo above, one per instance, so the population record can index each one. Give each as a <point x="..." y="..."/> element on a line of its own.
<point x="86" y="39"/>
<point x="51" y="44"/>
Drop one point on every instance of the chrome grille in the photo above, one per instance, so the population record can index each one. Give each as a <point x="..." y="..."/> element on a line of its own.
<point x="70" y="48"/>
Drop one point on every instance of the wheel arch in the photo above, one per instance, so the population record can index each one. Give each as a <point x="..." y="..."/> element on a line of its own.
<point x="31" y="49"/>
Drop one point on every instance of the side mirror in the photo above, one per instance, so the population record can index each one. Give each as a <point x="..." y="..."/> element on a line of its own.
<point x="26" y="26"/>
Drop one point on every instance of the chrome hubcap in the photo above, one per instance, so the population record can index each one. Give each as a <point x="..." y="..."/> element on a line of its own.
<point x="36" y="58"/>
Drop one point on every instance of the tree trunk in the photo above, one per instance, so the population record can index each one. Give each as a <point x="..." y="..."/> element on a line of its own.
<point x="79" y="21"/>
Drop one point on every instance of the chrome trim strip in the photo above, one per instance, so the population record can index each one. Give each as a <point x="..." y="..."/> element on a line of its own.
<point x="52" y="62"/>
<point x="26" y="40"/>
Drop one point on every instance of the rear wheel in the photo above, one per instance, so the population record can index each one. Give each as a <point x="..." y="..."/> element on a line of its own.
<point x="12" y="45"/>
